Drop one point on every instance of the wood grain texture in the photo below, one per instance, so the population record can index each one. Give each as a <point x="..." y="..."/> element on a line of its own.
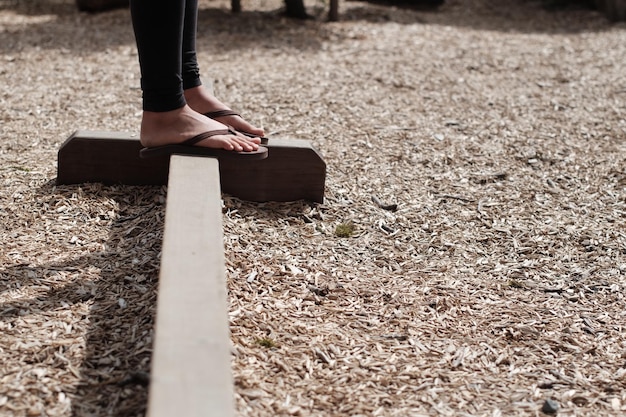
<point x="191" y="374"/>
<point x="294" y="170"/>
<point x="109" y="158"/>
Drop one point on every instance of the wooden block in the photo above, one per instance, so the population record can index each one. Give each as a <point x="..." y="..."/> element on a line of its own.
<point x="294" y="170"/>
<point x="109" y="158"/>
<point x="191" y="372"/>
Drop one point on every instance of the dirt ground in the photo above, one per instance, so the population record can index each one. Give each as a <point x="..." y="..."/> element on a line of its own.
<point x="498" y="128"/>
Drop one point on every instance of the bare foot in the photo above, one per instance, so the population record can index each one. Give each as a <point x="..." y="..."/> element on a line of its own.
<point x="176" y="126"/>
<point x="202" y="101"/>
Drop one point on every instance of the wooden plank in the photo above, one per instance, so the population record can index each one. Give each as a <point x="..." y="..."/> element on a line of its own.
<point x="294" y="170"/>
<point x="191" y="374"/>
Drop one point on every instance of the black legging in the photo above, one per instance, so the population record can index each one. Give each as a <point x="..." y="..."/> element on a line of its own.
<point x="165" y="31"/>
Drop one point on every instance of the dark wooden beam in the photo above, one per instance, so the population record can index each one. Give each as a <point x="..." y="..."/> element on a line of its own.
<point x="294" y="170"/>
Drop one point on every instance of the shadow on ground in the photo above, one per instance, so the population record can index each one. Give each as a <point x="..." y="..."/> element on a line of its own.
<point x="111" y="293"/>
<point x="117" y="286"/>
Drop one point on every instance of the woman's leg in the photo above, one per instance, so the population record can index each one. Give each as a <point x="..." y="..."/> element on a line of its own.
<point x="198" y="98"/>
<point x="190" y="70"/>
<point x="167" y="119"/>
<point x="158" y="26"/>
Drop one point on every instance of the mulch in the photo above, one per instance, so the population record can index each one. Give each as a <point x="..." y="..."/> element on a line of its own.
<point x="469" y="257"/>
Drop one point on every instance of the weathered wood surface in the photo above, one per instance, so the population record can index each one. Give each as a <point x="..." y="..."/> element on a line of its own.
<point x="294" y="170"/>
<point x="109" y="158"/>
<point x="191" y="364"/>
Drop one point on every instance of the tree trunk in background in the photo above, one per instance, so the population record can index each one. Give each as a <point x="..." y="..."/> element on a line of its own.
<point x="100" y="5"/>
<point x="296" y="9"/>
<point x="613" y="9"/>
<point x="333" y="11"/>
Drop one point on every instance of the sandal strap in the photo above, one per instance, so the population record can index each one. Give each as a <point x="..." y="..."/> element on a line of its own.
<point x="206" y="135"/>
<point x="221" y="113"/>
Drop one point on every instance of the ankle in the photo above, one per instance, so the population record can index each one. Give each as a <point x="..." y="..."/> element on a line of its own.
<point x="201" y="100"/>
<point x="153" y="123"/>
<point x="195" y="96"/>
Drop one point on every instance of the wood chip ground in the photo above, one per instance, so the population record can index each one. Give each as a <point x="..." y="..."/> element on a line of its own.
<point x="497" y="128"/>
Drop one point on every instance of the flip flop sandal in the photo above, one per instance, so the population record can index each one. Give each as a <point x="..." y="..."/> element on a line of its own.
<point x="264" y="140"/>
<point x="188" y="148"/>
<point x="227" y="112"/>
